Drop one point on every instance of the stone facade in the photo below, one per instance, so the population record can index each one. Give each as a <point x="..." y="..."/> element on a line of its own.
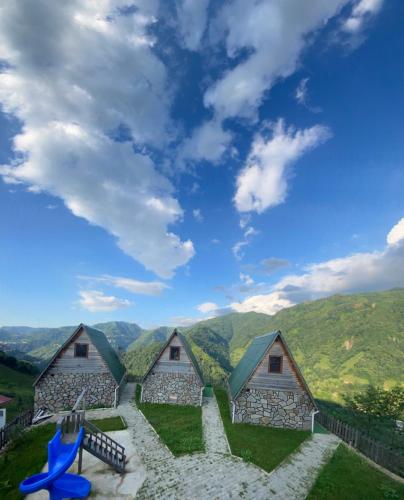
<point x="60" y="391"/>
<point x="176" y="388"/>
<point x="275" y="408"/>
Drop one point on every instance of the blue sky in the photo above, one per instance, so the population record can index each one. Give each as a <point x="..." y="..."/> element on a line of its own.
<point x="167" y="162"/>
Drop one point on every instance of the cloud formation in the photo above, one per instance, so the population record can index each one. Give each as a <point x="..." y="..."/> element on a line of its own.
<point x="153" y="288"/>
<point x="262" y="183"/>
<point x="207" y="307"/>
<point x="64" y="62"/>
<point x="192" y="20"/>
<point x="259" y="29"/>
<point x="96" y="301"/>
<point x="360" y="272"/>
<point x="362" y="11"/>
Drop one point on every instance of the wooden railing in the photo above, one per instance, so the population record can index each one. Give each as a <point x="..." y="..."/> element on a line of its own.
<point x="71" y="423"/>
<point x="95" y="438"/>
<point x="383" y="455"/>
<point x="95" y="441"/>
<point x="12" y="429"/>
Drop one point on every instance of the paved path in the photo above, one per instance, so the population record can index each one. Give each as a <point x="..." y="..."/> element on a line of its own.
<point x="154" y="473"/>
<point x="213" y="431"/>
<point x="295" y="478"/>
<point x="216" y="474"/>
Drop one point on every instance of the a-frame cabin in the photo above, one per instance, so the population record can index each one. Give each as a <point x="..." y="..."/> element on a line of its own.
<point x="85" y="361"/>
<point x="267" y="387"/>
<point x="174" y="376"/>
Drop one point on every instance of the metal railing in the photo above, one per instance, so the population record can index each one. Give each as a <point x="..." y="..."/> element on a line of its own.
<point x="12" y="429"/>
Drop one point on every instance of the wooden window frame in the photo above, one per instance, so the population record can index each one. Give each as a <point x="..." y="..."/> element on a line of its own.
<point x="280" y="367"/>
<point x="172" y="347"/>
<point x="75" y="350"/>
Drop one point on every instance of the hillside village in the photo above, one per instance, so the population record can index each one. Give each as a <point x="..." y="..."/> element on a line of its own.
<point x="263" y="413"/>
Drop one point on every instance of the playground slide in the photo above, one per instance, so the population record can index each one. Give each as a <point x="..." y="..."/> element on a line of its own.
<point x="59" y="484"/>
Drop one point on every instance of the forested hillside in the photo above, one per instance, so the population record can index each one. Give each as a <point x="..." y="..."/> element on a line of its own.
<point x="341" y="343"/>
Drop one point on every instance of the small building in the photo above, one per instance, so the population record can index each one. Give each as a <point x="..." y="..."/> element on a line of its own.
<point x="4" y="400"/>
<point x="174" y="376"/>
<point x="85" y="361"/>
<point x="267" y="387"/>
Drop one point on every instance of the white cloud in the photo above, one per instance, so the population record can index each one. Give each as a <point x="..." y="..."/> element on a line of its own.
<point x="361" y="12"/>
<point x="246" y="279"/>
<point x="263" y="181"/>
<point x="208" y="142"/>
<point x="197" y="213"/>
<point x="76" y="72"/>
<point x="302" y="96"/>
<point x="360" y="272"/>
<point x="249" y="233"/>
<point x="192" y="18"/>
<point x="207" y="307"/>
<point x="267" y="304"/>
<point x="396" y="235"/>
<point x="95" y="301"/>
<point x="274" y="33"/>
<point x="133" y="286"/>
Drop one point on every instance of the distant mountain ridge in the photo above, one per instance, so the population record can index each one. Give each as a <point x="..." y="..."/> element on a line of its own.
<point x="39" y="344"/>
<point x="341" y="343"/>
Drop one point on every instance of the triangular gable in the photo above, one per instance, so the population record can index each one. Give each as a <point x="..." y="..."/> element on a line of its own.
<point x="248" y="364"/>
<point x="188" y="350"/>
<point x="102" y="345"/>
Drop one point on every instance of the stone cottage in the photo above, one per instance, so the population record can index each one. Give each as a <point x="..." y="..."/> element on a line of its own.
<point x="85" y="360"/>
<point x="174" y="376"/>
<point x="267" y="387"/>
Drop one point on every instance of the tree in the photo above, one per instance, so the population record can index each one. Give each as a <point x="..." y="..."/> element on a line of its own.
<point x="377" y="404"/>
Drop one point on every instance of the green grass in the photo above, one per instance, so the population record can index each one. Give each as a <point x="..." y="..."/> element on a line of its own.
<point x="25" y="456"/>
<point x="350" y="477"/>
<point x="179" y="427"/>
<point x="266" y="447"/>
<point x="18" y="386"/>
<point x="110" y="424"/>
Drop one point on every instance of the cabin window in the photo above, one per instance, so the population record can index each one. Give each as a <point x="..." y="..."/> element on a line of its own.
<point x="80" y="350"/>
<point x="275" y="364"/>
<point x="174" y="353"/>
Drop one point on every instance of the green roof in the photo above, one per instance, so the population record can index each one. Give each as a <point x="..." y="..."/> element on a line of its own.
<point x="188" y="350"/>
<point x="102" y="345"/>
<point x="249" y="362"/>
<point x="107" y="352"/>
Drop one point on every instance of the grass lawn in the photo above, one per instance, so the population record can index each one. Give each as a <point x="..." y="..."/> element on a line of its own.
<point x="18" y="386"/>
<point x="110" y="424"/>
<point x="264" y="446"/>
<point x="350" y="477"/>
<point x="24" y="457"/>
<point x="179" y="427"/>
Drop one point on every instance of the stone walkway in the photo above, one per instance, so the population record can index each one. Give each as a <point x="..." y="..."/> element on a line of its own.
<point x="213" y="431"/>
<point x="217" y="474"/>
<point x="154" y="473"/>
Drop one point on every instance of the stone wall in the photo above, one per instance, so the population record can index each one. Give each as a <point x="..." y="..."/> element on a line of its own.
<point x="176" y="388"/>
<point x="274" y="408"/>
<point x="60" y="391"/>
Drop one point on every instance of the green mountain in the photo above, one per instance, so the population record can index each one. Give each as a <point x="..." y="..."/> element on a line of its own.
<point x="39" y="344"/>
<point x="341" y="343"/>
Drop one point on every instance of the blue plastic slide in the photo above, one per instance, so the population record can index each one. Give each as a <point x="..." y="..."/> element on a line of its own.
<point x="59" y="484"/>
